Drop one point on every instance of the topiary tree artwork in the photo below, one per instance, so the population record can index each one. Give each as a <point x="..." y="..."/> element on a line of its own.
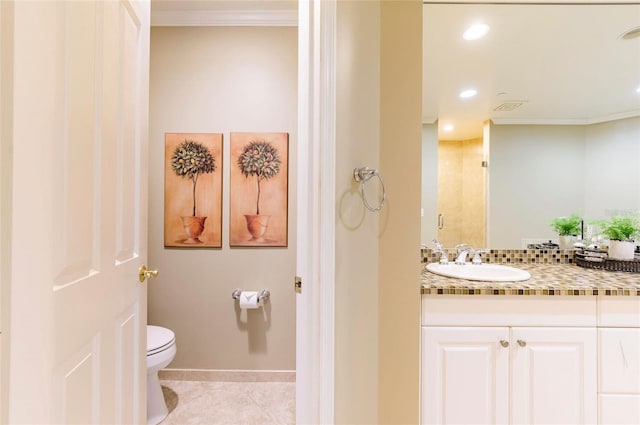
<point x="260" y="159"/>
<point x="190" y="160"/>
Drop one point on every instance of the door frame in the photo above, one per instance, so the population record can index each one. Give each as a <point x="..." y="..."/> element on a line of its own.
<point x="315" y="305"/>
<point x="315" y="252"/>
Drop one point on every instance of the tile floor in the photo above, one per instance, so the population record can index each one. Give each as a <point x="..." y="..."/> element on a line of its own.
<point x="229" y="403"/>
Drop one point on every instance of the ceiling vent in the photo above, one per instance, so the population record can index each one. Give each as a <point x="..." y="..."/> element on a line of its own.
<point x="508" y="106"/>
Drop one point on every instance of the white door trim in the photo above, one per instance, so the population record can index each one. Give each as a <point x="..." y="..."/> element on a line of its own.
<point x="315" y="312"/>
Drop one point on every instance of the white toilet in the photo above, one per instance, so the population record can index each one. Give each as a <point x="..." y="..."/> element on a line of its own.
<point x="161" y="349"/>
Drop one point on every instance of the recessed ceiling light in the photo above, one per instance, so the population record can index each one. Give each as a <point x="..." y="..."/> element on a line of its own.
<point x="448" y="127"/>
<point x="468" y="93"/>
<point x="476" y="31"/>
<point x="638" y="89"/>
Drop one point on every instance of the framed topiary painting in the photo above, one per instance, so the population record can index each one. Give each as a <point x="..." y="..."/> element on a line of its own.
<point x="259" y="189"/>
<point x="193" y="190"/>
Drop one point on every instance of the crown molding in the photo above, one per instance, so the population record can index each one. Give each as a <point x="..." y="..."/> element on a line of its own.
<point x="224" y="18"/>
<point x="566" y="121"/>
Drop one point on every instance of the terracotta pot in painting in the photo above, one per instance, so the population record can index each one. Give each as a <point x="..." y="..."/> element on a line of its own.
<point x="193" y="227"/>
<point x="257" y="226"/>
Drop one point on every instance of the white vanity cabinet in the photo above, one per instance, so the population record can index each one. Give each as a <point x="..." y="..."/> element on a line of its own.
<point x="509" y="360"/>
<point x="465" y="375"/>
<point x="619" y="360"/>
<point x="553" y="376"/>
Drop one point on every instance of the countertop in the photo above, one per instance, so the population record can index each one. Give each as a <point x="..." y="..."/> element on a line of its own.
<point x="546" y="279"/>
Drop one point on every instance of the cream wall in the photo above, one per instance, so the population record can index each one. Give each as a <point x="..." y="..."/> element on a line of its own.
<point x="6" y="80"/>
<point x="544" y="171"/>
<point x="222" y="79"/>
<point x="536" y="174"/>
<point x="357" y="230"/>
<point x="377" y="254"/>
<point x="612" y="161"/>
<point x="399" y="253"/>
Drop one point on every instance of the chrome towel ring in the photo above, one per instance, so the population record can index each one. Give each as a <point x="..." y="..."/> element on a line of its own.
<point x="363" y="175"/>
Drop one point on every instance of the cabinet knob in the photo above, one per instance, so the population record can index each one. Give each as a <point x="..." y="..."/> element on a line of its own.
<point x="522" y="343"/>
<point x="504" y="343"/>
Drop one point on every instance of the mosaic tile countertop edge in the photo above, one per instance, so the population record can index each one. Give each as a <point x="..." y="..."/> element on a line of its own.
<point x="547" y="278"/>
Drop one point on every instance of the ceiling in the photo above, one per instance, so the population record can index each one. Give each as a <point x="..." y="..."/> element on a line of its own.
<point x="565" y="64"/>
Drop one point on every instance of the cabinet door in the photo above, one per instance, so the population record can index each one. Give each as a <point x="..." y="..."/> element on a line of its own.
<point x="619" y="360"/>
<point x="554" y="376"/>
<point x="465" y="375"/>
<point x="619" y="383"/>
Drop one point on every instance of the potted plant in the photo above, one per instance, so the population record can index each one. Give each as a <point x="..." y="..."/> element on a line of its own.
<point x="566" y="228"/>
<point x="189" y="160"/>
<point x="258" y="159"/>
<point x="621" y="231"/>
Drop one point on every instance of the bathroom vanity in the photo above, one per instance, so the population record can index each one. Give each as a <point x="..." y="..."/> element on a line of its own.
<point x="560" y="348"/>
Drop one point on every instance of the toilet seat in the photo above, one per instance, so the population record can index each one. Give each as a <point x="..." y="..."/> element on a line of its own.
<point x="159" y="339"/>
<point x="161" y="349"/>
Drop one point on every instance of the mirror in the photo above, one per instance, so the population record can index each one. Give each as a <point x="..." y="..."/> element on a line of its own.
<point x="557" y="114"/>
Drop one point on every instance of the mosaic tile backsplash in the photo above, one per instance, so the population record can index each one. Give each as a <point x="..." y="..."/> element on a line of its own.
<point x="511" y="256"/>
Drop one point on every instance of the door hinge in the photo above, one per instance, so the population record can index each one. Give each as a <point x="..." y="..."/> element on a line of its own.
<point x="298" y="285"/>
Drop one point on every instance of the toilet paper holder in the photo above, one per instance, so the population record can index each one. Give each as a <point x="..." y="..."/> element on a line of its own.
<point x="262" y="296"/>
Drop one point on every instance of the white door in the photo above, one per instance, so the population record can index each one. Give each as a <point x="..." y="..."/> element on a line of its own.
<point x="79" y="139"/>
<point x="465" y="375"/>
<point x="554" y="376"/>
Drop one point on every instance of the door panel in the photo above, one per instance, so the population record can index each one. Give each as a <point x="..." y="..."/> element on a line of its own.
<point x="127" y="384"/>
<point x="72" y="378"/>
<point x="84" y="115"/>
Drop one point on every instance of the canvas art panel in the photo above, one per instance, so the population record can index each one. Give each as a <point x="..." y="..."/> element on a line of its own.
<point x="193" y="190"/>
<point x="259" y="189"/>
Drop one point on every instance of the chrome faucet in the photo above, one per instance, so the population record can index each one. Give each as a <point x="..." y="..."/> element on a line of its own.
<point x="444" y="257"/>
<point x="477" y="258"/>
<point x="464" y="250"/>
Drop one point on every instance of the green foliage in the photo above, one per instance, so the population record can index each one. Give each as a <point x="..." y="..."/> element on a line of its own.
<point x="189" y="160"/>
<point x="620" y="228"/>
<point x="567" y="225"/>
<point x="259" y="158"/>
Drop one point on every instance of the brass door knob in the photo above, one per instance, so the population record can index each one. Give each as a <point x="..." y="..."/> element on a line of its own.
<point x="504" y="343"/>
<point x="145" y="274"/>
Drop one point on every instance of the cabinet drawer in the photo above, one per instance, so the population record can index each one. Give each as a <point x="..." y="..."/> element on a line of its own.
<point x="619" y="360"/>
<point x="505" y="310"/>
<point x="619" y="409"/>
<point x="619" y="311"/>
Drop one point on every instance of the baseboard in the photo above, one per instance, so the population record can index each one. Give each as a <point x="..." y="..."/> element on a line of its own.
<point x="227" y="375"/>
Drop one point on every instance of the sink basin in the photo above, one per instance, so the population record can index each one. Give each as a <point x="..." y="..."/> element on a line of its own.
<point x="484" y="272"/>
